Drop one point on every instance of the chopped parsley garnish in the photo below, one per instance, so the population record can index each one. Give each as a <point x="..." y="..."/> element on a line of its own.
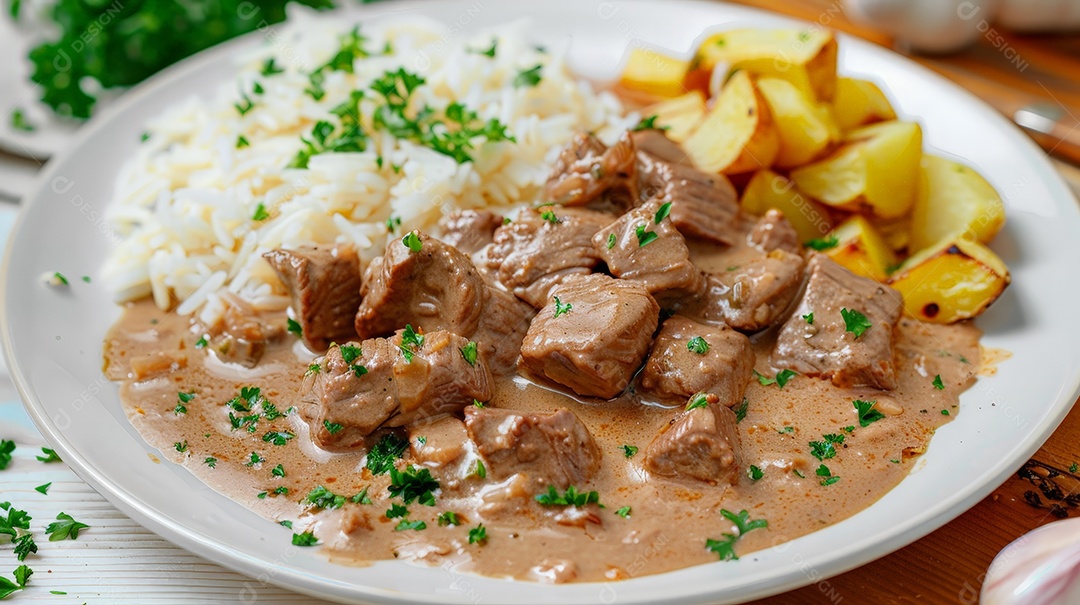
<point x="824" y="243"/>
<point x="481" y="470"/>
<point x="181" y="446"/>
<point x="320" y="497"/>
<point x="382" y="456"/>
<point x="393" y="222"/>
<point x="829" y="478"/>
<point x="662" y="213"/>
<point x="285" y="523"/>
<point x="866" y="411"/>
<point x="22" y="575"/>
<point x="629" y="450"/>
<point x="529" y="77"/>
<point x="19" y="121"/>
<point x="254" y="459"/>
<point x="468" y="353"/>
<point x="944" y="412"/>
<point x="261" y="495"/>
<point x="244" y="105"/>
<point x="182" y="398"/>
<point x="411" y="342"/>
<point x="740" y="412"/>
<point x="938" y="384"/>
<point x="211" y="462"/>
<point x="478" y="534"/>
<point x="644" y="238"/>
<point x="809" y="317"/>
<point x="725" y="548"/>
<point x="697" y="345"/>
<point x="754" y="473"/>
<point x="331" y="427"/>
<point x="822" y="450"/>
<point x="312" y="369"/>
<point x="648" y="123"/>
<point x="699" y="400"/>
<point x="269" y="68"/>
<point x="412" y="241"/>
<point x="571" y="497"/>
<point x="50" y="456"/>
<point x="43" y="489"/>
<point x="64" y="527"/>
<point x="405" y="524"/>
<point x="848" y="429"/>
<point x="305" y="539"/>
<point x="202" y="342"/>
<point x="349" y="353"/>
<point x="489" y="52"/>
<point x="560" y="308"/>
<point x="448" y="518"/>
<point x="278" y="471"/>
<point x="781" y="379"/>
<point x="623" y="512"/>
<point x="550" y="216"/>
<point x="414" y="483"/>
<point x="278" y="437"/>
<point x="6" y="448"/>
<point x="1074" y="467"/>
<point x="610" y="241"/>
<point x="855" y="322"/>
<point x="241" y="142"/>
<point x="786" y="429"/>
<point x="361" y="497"/>
<point x="799" y="474"/>
<point x="294" y="327"/>
<point x="397" y="511"/>
<point x="478" y="403"/>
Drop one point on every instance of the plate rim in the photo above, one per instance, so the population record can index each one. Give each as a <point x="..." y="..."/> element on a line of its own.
<point x="287" y="577"/>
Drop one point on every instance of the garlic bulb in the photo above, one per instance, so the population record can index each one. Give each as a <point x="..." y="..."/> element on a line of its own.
<point x="1042" y="567"/>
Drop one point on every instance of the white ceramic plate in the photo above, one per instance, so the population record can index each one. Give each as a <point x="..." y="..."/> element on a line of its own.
<point x="52" y="337"/>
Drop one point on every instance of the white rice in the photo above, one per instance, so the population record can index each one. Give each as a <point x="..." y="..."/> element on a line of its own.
<point x="185" y="202"/>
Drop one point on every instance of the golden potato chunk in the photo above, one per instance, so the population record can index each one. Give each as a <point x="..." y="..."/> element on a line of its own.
<point x="768" y="190"/>
<point x="876" y="172"/>
<point x="654" y="73"/>
<point x="954" y="199"/>
<point x="861" y="249"/>
<point x="678" y="116"/>
<point x="738" y="134"/>
<point x="805" y="58"/>
<point x="805" y="127"/>
<point x="953" y="280"/>
<point x="858" y="102"/>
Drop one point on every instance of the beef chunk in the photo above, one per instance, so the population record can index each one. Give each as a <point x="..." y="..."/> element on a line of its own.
<point x="551" y="449"/>
<point x="655" y="143"/>
<point x="543" y="246"/>
<point x="689" y="357"/>
<point x="703" y="205"/>
<point x="439" y="288"/>
<point x="324" y="283"/>
<point x="825" y="348"/>
<point x="469" y="230"/>
<point x="374" y="384"/>
<point x="639" y="249"/>
<point x="754" y="295"/>
<point x="774" y="232"/>
<point x="241" y="334"/>
<point x="701" y="444"/>
<point x="587" y="170"/>
<point x="592" y="336"/>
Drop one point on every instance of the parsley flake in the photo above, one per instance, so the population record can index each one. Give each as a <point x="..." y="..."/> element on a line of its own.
<point x="382" y="456"/>
<point x="629" y="450"/>
<point x="697" y="345"/>
<point x="412" y="241"/>
<point x="560" y="308"/>
<point x="478" y="534"/>
<point x="855" y="322"/>
<point x="529" y="77"/>
<point x="469" y="353"/>
<point x="867" y="413"/>
<point x="64" y="527"/>
<point x="571" y="497"/>
<point x="938" y="384"/>
<point x="644" y="237"/>
<point x="824" y="243"/>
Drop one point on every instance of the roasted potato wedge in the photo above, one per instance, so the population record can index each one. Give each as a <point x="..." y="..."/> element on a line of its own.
<point x="859" y="102"/>
<point x="861" y="249"/>
<point x="653" y="72"/>
<point x="952" y="280"/>
<point x="954" y="199"/>
<point x="896" y="232"/>
<point x="738" y="135"/>
<point x="805" y="127"/>
<point x="767" y="190"/>
<point x="876" y="172"/>
<point x="680" y="115"/>
<point x="805" y="58"/>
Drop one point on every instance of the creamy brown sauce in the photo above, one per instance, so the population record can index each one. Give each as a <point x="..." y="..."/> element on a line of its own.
<point x="670" y="520"/>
